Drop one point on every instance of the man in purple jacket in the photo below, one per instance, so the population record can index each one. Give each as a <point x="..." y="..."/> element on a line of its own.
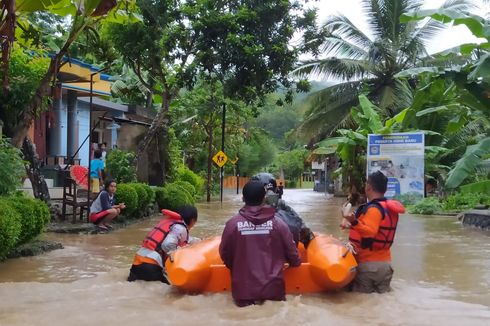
<point x="255" y="245"/>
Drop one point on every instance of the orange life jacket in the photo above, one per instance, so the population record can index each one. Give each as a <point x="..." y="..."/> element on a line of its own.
<point x="390" y="209"/>
<point x="155" y="238"/>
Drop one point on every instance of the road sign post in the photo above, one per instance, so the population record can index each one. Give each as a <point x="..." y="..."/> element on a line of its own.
<point x="220" y="160"/>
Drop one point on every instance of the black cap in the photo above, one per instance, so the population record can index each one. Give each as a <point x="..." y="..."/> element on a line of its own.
<point x="267" y="180"/>
<point x="253" y="193"/>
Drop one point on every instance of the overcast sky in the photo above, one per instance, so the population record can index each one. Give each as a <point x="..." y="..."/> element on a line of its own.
<point x="454" y="36"/>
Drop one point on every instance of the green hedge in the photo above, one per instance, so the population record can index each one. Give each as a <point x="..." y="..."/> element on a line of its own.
<point x="461" y="201"/>
<point x="172" y="196"/>
<point x="142" y="196"/>
<point x="185" y="174"/>
<point x="150" y="193"/>
<point x="35" y="215"/>
<point x="160" y="197"/>
<point x="136" y="196"/>
<point x="187" y="187"/>
<point x="426" y="206"/>
<point x="126" y="194"/>
<point x="121" y="165"/>
<point x="21" y="219"/>
<point x="10" y="227"/>
<point x="11" y="167"/>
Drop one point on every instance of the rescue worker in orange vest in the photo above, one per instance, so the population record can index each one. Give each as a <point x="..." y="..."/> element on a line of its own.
<point x="172" y="232"/>
<point x="372" y="231"/>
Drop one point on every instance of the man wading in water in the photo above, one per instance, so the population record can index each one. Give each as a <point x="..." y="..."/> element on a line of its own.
<point x="372" y="231"/>
<point x="301" y="233"/>
<point x="255" y="245"/>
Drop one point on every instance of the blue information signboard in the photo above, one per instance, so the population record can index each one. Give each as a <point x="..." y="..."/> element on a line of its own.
<point x="401" y="158"/>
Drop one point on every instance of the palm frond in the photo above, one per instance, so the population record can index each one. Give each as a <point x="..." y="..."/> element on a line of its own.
<point x="336" y="46"/>
<point x="393" y="97"/>
<point x="461" y="5"/>
<point x="430" y="28"/>
<point x="329" y="108"/>
<point x="450" y="60"/>
<point x="335" y="68"/>
<point x="343" y="28"/>
<point x="462" y="136"/>
<point x="384" y="16"/>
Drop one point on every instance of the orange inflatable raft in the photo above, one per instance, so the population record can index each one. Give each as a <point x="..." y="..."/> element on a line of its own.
<point x="326" y="265"/>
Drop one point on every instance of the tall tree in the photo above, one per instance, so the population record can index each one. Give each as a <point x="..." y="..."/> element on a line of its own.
<point x="84" y="13"/>
<point x="243" y="44"/>
<point x="196" y="120"/>
<point x="369" y="61"/>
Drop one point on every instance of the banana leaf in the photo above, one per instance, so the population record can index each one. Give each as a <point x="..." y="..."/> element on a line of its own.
<point x="467" y="164"/>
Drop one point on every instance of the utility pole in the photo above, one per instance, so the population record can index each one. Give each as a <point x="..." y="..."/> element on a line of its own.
<point x="222" y="169"/>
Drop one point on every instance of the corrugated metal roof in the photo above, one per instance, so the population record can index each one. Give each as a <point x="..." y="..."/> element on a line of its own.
<point x="104" y="104"/>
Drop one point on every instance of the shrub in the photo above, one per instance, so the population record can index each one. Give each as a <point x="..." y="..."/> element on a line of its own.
<point x="160" y="196"/>
<point x="10" y="228"/>
<point x="121" y="166"/>
<point x="11" y="167"/>
<point x="149" y="192"/>
<point x="410" y="198"/>
<point x="42" y="210"/>
<point x="172" y="196"/>
<point x="32" y="219"/>
<point x="426" y="206"/>
<point x="186" y="186"/>
<point x="176" y="196"/>
<point x="126" y="194"/>
<point x="183" y="173"/>
<point x="291" y="183"/>
<point x="460" y="201"/>
<point x="142" y="195"/>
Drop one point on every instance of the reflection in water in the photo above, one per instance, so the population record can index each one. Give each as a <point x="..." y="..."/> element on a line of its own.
<point x="442" y="276"/>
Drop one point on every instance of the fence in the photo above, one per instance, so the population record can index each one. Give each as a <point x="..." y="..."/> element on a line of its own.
<point x="230" y="182"/>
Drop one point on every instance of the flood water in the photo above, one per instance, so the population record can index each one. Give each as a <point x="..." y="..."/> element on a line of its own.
<point x="442" y="277"/>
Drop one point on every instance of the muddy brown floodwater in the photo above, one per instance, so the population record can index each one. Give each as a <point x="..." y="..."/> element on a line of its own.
<point x="442" y="277"/>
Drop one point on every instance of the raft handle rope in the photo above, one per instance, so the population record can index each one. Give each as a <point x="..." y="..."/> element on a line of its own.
<point x="349" y="248"/>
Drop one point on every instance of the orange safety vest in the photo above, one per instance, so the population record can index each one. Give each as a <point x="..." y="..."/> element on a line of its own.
<point x="390" y="210"/>
<point x="155" y="238"/>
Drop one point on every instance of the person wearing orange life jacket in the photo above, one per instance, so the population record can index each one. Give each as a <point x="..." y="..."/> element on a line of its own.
<point x="372" y="232"/>
<point x="169" y="234"/>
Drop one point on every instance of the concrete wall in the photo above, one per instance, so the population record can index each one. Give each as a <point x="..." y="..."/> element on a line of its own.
<point x="149" y="169"/>
<point x="477" y="217"/>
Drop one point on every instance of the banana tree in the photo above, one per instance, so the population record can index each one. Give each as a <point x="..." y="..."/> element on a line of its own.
<point x="351" y="144"/>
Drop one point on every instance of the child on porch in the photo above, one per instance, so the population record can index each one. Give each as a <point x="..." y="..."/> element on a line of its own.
<point x="96" y="168"/>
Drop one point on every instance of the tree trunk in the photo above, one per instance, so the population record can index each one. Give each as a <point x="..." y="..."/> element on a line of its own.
<point x="7" y="37"/>
<point x="159" y="124"/>
<point x="39" y="186"/>
<point x="210" y="164"/>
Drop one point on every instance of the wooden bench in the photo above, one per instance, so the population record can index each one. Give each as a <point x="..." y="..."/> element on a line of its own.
<point x="75" y="197"/>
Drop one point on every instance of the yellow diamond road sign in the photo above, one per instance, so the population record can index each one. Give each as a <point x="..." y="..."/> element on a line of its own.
<point x="220" y="159"/>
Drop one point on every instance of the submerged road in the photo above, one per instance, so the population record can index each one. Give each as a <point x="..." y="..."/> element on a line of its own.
<point x="442" y="277"/>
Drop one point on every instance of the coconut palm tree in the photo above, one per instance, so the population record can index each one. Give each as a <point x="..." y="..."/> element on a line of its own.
<point x="368" y="62"/>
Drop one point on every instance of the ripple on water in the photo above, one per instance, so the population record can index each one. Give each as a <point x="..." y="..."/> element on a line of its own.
<point x="109" y="300"/>
<point x="441" y="278"/>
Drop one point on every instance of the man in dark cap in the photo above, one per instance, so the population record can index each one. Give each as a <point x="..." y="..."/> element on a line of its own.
<point x="255" y="245"/>
<point x="301" y="233"/>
